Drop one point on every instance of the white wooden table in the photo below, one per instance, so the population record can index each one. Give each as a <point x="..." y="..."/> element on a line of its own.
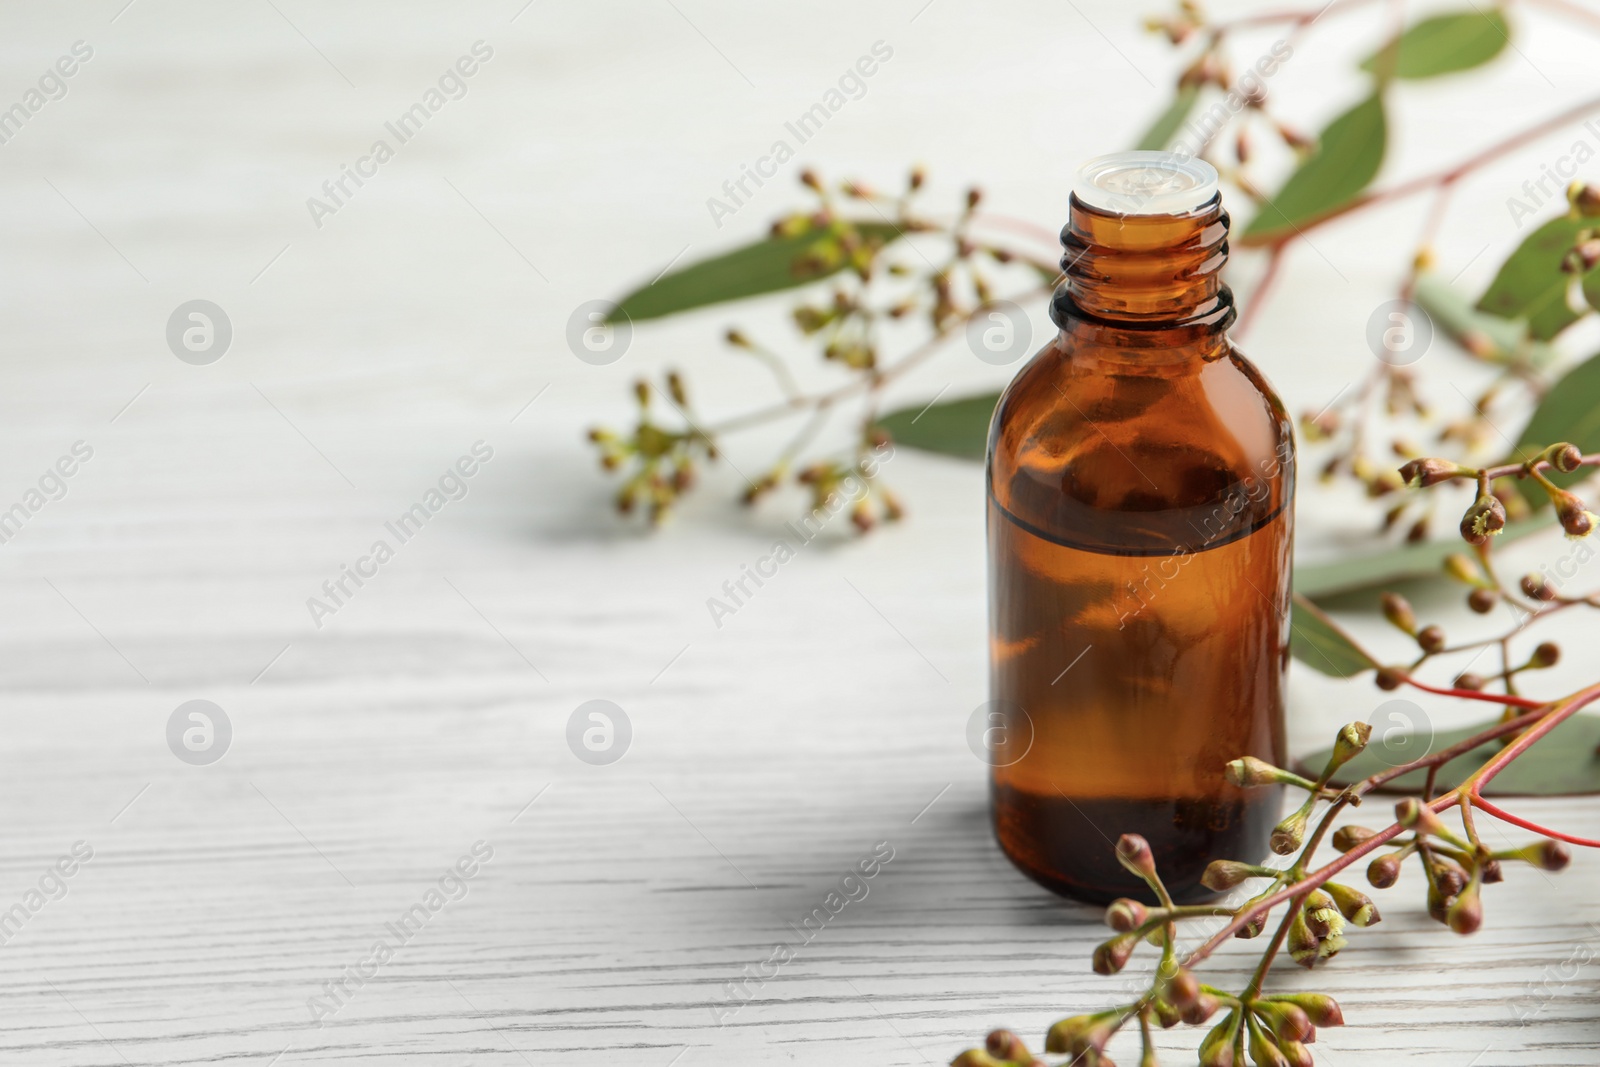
<point x="430" y="711"/>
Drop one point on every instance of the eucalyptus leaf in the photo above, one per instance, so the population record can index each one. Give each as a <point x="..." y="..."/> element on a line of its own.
<point x="1317" y="641"/>
<point x="1453" y="313"/>
<point x="766" y="266"/>
<point x="1446" y="44"/>
<point x="1346" y="159"/>
<point x="1564" y="763"/>
<point x="1397" y="563"/>
<point x="1167" y="124"/>
<point x="1532" y="287"/>
<point x="1570" y="411"/>
<point x="953" y="428"/>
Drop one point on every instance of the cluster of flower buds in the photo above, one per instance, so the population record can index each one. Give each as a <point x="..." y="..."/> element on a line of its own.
<point x="1456" y="870"/>
<point x="1248" y="772"/>
<point x="1276" y="1030"/>
<point x="663" y="460"/>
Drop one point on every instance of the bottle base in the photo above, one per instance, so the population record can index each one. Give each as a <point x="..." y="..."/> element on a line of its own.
<point x="1069" y="846"/>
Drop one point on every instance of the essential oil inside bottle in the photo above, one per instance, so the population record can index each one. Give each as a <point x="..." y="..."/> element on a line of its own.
<point x="1141" y="479"/>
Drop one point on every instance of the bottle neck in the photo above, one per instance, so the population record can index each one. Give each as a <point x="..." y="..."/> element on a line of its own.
<point x="1145" y="272"/>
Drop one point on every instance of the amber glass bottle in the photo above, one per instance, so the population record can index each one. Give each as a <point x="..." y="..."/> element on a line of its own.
<point x="1140" y="481"/>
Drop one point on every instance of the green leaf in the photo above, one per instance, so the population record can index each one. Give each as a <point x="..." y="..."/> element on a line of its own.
<point x="1454" y="314"/>
<point x="1562" y="764"/>
<point x="767" y="266"/>
<point x="1346" y="159"/>
<point x="1161" y="131"/>
<point x="1397" y="563"/>
<point x="1318" y="642"/>
<point x="1531" y="285"/>
<point x="953" y="428"/>
<point x="1445" y="44"/>
<point x="1570" y="411"/>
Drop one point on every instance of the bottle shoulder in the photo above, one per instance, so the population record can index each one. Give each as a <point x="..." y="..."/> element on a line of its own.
<point x="1140" y="451"/>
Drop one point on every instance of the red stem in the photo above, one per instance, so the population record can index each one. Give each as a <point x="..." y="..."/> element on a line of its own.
<point x="1517" y="820"/>
<point x="1506" y="699"/>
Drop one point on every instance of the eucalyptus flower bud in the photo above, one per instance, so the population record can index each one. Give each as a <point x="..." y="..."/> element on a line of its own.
<point x="1547" y="855"/>
<point x="1287" y="1021"/>
<point x="1167" y="1015"/>
<point x="1384" y="871"/>
<point x="1181" y="989"/>
<point x="1426" y="472"/>
<point x="1302" y="941"/>
<point x="1492" y="872"/>
<point x="1216" y="1049"/>
<point x="1462" y="568"/>
<point x="1584" y="198"/>
<point x="1485" y="518"/>
<point x="1348" y="837"/>
<point x="1449" y="877"/>
<point x="1296" y="1054"/>
<point x="976" y="1057"/>
<point x="1248" y="771"/>
<point x="1322" y="1009"/>
<point x="1322" y="916"/>
<point x="1110" y="956"/>
<point x="1471" y="682"/>
<point x="1431" y="639"/>
<point x="1006" y="1045"/>
<point x="1575" y="517"/>
<point x="1565" y="457"/>
<point x="1263" y="1051"/>
<point x="1124" y="915"/>
<point x="1414" y="815"/>
<point x="1535" y="587"/>
<point x="1466" y="914"/>
<point x="1389" y="678"/>
<point x="1223" y="875"/>
<point x="675" y="387"/>
<point x="1352" y="738"/>
<point x="1081" y="1034"/>
<point x="1547" y="654"/>
<point x="1439" y="904"/>
<point x="1288" y="834"/>
<point x="1204" y="1007"/>
<point x="1397" y="609"/>
<point x="1133" y="852"/>
<point x="1483" y="601"/>
<point x="1353" y="904"/>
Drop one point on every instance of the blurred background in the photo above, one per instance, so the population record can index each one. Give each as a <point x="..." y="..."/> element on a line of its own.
<point x="424" y="319"/>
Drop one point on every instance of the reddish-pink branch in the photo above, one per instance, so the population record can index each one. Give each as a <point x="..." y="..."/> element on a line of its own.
<point x="1517" y="820"/>
<point x="1504" y="699"/>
